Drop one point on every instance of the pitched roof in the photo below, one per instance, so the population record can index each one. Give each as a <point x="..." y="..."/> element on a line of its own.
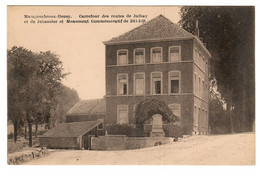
<point x="88" y="107"/>
<point x="159" y="27"/>
<point x="73" y="129"/>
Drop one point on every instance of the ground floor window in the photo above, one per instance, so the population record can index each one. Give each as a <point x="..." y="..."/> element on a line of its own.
<point x="122" y="114"/>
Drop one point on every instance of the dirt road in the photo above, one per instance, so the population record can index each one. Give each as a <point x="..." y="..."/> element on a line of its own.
<point x="233" y="149"/>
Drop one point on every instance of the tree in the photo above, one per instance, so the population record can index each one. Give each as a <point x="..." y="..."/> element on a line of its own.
<point x="148" y="107"/>
<point x="218" y="122"/>
<point x="66" y="99"/>
<point x="229" y="35"/>
<point x="34" y="80"/>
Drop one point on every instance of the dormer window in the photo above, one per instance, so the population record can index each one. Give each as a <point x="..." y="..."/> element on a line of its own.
<point x="139" y="56"/>
<point x="174" y="53"/>
<point x="122" y="57"/>
<point x="156" y="55"/>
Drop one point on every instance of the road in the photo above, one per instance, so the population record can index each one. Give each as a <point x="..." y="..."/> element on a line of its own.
<point x="232" y="149"/>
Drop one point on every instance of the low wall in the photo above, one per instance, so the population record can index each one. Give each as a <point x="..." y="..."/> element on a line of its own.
<point x="169" y="130"/>
<point x="59" y="142"/>
<point x="120" y="142"/>
<point x="23" y="156"/>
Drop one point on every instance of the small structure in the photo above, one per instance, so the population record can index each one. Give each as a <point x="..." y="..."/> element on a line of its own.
<point x="87" y="110"/>
<point x="74" y="135"/>
<point x="157" y="130"/>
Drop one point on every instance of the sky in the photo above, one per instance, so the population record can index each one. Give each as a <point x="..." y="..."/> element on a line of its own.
<point x="80" y="46"/>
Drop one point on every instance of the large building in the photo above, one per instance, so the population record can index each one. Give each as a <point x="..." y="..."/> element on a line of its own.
<point x="158" y="60"/>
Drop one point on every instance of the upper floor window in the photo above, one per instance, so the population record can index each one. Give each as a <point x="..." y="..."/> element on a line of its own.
<point x="139" y="84"/>
<point x="200" y="60"/>
<point x="156" y="83"/>
<point x="156" y="55"/>
<point x="199" y="89"/>
<point x="174" y="82"/>
<point x="139" y="56"/>
<point x="122" y="114"/>
<point x="195" y="83"/>
<point x="206" y="66"/>
<point x="196" y="55"/>
<point x="122" y="57"/>
<point x="174" y="53"/>
<point x="122" y="84"/>
<point x="176" y="109"/>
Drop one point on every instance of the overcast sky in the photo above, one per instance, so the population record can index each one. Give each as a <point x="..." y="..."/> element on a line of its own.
<point x="80" y="46"/>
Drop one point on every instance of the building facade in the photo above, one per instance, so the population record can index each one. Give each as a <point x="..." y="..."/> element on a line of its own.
<point x="158" y="60"/>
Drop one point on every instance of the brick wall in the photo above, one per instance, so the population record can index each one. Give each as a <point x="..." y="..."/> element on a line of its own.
<point x="60" y="142"/>
<point x="186" y="67"/>
<point x="186" y="50"/>
<point x="120" y="142"/>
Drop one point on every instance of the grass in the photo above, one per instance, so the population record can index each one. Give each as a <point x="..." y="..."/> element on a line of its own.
<point x="21" y="144"/>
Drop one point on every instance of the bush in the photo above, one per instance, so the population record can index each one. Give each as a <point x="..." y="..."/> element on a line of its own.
<point x="14" y="147"/>
<point x="10" y="136"/>
<point x="127" y="130"/>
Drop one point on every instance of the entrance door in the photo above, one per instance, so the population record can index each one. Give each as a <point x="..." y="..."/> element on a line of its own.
<point x="87" y="142"/>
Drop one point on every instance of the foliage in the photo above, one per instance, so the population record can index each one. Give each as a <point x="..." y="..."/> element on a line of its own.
<point x="14" y="147"/>
<point x="34" y="81"/>
<point x="148" y="107"/>
<point x="66" y="99"/>
<point x="124" y="129"/>
<point x="10" y="136"/>
<point x="229" y="35"/>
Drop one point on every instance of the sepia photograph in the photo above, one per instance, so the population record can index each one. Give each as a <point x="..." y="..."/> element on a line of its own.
<point x="130" y="85"/>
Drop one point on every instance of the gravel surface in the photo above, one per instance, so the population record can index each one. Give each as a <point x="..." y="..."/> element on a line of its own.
<point x="232" y="149"/>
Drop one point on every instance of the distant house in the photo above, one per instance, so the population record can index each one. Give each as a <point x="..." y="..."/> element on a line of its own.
<point x="158" y="60"/>
<point x="87" y="110"/>
<point x="76" y="135"/>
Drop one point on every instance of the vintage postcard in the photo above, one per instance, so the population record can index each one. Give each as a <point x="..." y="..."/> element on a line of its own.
<point x="131" y="85"/>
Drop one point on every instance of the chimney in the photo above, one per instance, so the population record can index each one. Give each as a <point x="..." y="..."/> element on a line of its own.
<point x="197" y="32"/>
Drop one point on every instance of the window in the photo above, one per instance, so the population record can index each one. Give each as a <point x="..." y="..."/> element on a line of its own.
<point x="195" y="83"/>
<point x="139" y="84"/>
<point x="122" y="56"/>
<point x="195" y="115"/>
<point x="203" y="63"/>
<point x="122" y="114"/>
<point x="156" y="55"/>
<point x="196" y="56"/>
<point x="134" y="108"/>
<point x="174" y="53"/>
<point x="156" y="83"/>
<point x="206" y="67"/>
<point x="174" y="82"/>
<point x="199" y="87"/>
<point x="203" y="89"/>
<point x="200" y="60"/>
<point x="122" y="84"/>
<point x="176" y="109"/>
<point x="100" y="126"/>
<point x="139" y="56"/>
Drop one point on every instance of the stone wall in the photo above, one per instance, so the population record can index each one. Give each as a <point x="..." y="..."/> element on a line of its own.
<point x="60" y="142"/>
<point x="121" y="142"/>
<point x="23" y="156"/>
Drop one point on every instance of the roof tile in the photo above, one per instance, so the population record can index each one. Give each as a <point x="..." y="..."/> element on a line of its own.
<point x="159" y="27"/>
<point x="73" y="129"/>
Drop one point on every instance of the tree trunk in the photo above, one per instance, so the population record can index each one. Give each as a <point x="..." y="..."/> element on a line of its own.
<point x="15" y="130"/>
<point x="30" y="134"/>
<point x="36" y="129"/>
<point x="25" y="132"/>
<point x="47" y="125"/>
<point x="229" y="108"/>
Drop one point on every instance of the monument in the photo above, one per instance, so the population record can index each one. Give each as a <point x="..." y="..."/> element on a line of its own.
<point x="157" y="130"/>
